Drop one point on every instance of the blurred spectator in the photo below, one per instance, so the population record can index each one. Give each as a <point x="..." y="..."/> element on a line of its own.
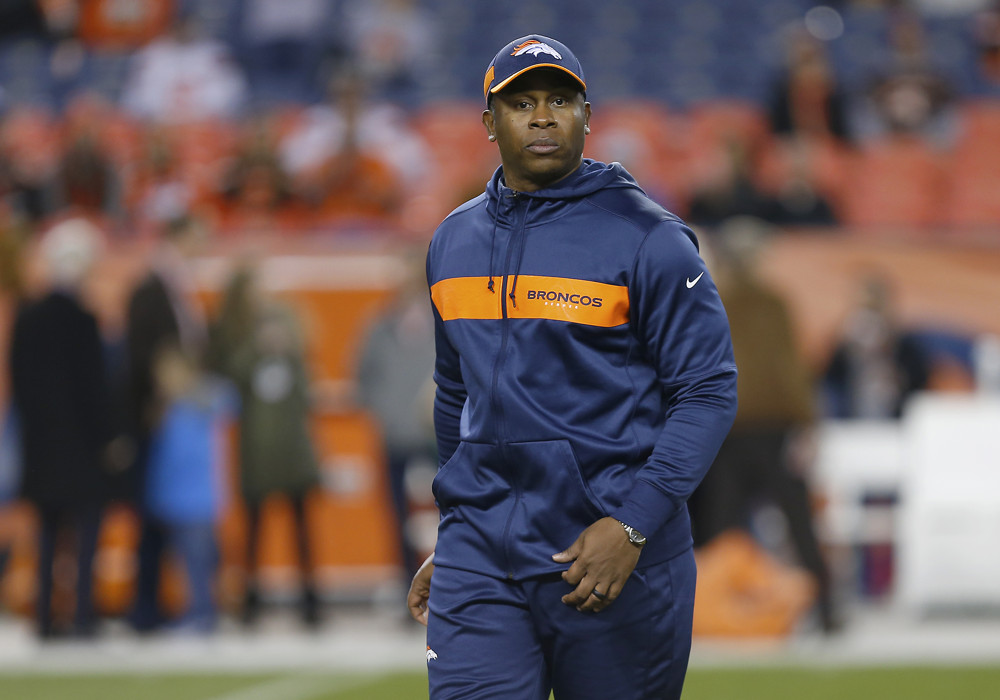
<point x="62" y="396"/>
<point x="62" y="17"/>
<point x="29" y="161"/>
<point x="799" y="199"/>
<point x="876" y="365"/>
<point x="161" y="314"/>
<point x="256" y="341"/>
<point x="393" y="42"/>
<point x="395" y="369"/>
<point x="353" y="158"/>
<point x="258" y="196"/>
<point x="13" y="239"/>
<point x="158" y="192"/>
<point x="184" y="76"/>
<point x="728" y="186"/>
<point x="185" y="489"/>
<point x="807" y="101"/>
<point x="909" y="96"/>
<point x="87" y="181"/>
<point x="767" y="454"/>
<point x="987" y="35"/>
<point x="67" y="56"/>
<point x="284" y="45"/>
<point x="21" y="19"/>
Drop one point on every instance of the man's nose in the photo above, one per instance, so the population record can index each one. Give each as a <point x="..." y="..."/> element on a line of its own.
<point x="543" y="117"/>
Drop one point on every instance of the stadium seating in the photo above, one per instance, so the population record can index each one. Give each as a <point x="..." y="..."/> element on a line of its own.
<point x="973" y="199"/>
<point x="897" y="182"/>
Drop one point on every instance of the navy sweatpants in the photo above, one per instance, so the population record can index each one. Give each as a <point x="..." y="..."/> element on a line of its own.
<point x="492" y="638"/>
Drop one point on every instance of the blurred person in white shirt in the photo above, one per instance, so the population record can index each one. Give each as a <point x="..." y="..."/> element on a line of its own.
<point x="184" y="76"/>
<point x="393" y="42"/>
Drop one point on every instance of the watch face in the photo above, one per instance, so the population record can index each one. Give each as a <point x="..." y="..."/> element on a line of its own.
<point x="634" y="536"/>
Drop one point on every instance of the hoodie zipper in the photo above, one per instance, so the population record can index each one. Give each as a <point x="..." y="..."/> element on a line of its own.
<point x="513" y="244"/>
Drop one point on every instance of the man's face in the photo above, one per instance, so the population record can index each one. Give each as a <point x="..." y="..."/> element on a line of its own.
<point x="540" y="122"/>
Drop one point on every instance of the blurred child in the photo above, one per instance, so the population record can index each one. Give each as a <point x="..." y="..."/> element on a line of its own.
<point x="184" y="489"/>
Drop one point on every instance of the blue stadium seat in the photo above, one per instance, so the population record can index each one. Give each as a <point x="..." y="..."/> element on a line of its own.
<point x="26" y="75"/>
<point x="105" y="72"/>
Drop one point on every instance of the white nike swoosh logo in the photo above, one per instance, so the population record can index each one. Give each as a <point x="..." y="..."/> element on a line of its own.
<point x="693" y="282"/>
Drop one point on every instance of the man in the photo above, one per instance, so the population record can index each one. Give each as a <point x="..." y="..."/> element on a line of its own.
<point x="768" y="451"/>
<point x="161" y="315"/>
<point x="585" y="380"/>
<point x="62" y="394"/>
<point x="394" y="373"/>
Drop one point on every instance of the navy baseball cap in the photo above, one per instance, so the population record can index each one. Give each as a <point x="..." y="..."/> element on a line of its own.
<point x="527" y="53"/>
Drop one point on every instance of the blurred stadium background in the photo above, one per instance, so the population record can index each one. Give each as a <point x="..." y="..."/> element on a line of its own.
<point x="132" y="112"/>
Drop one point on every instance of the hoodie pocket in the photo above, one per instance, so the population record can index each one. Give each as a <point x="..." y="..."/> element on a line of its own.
<point x="554" y="503"/>
<point x="470" y="478"/>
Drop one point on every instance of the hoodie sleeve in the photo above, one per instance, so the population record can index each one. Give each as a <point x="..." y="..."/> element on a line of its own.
<point x="449" y="398"/>
<point x="681" y="324"/>
<point x="450" y="394"/>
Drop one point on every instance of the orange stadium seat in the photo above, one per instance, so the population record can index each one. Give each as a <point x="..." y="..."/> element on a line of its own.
<point x="896" y="182"/>
<point x="464" y="159"/>
<point x="981" y="123"/>
<point x="973" y="199"/>
<point x="712" y="122"/>
<point x="712" y="127"/>
<point x="114" y="24"/>
<point x="646" y="138"/>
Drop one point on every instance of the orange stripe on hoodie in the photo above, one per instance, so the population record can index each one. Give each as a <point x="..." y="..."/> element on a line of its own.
<point x="552" y="298"/>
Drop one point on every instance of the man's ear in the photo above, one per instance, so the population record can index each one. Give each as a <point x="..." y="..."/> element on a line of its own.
<point x="490" y="125"/>
<point x="586" y="117"/>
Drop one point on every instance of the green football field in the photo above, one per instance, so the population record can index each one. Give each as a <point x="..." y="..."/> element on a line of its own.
<point x="912" y="683"/>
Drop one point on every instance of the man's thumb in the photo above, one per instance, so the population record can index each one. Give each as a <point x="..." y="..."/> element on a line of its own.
<point x="567" y="555"/>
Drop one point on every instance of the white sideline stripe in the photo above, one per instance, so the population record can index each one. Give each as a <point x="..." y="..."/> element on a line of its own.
<point x="293" y="688"/>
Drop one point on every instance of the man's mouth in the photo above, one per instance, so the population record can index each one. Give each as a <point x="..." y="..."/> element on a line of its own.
<point x="542" y="146"/>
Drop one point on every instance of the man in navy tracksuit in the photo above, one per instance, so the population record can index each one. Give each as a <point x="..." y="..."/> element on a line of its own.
<point x="585" y="380"/>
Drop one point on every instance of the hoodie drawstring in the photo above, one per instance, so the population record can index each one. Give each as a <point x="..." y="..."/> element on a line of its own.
<point x="493" y="241"/>
<point x="520" y="254"/>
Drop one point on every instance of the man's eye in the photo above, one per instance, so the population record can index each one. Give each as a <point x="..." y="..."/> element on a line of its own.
<point x="559" y="101"/>
<point x="523" y="105"/>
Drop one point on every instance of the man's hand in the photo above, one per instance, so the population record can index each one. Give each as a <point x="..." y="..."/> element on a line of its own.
<point x="420" y="591"/>
<point x="603" y="558"/>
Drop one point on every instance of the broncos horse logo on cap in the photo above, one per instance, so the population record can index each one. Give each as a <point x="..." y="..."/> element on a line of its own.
<point x="535" y="47"/>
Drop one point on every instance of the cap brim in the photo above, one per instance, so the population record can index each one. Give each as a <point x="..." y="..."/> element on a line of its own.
<point x="502" y="84"/>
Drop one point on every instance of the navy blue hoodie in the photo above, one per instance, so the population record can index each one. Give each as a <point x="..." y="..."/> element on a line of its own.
<point x="584" y="369"/>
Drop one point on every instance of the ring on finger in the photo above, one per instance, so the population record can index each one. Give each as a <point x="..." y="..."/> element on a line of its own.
<point x="598" y="595"/>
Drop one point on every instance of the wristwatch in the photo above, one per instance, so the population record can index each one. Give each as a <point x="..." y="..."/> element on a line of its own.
<point x="634" y="536"/>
